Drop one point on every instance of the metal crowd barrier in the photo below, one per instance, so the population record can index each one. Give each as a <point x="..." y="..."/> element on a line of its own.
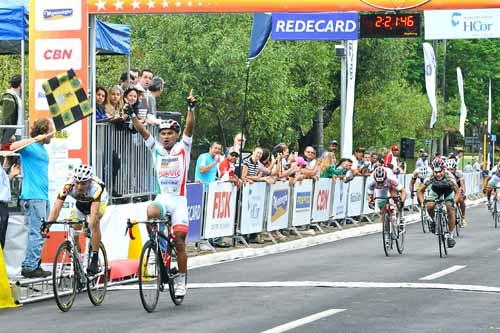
<point x="123" y="162"/>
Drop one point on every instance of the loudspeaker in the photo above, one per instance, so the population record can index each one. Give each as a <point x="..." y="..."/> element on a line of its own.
<point x="407" y="148"/>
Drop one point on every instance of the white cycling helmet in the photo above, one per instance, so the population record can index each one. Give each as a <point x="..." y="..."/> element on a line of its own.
<point x="82" y="173"/>
<point x="451" y="163"/>
<point x="380" y="175"/>
<point x="170" y="124"/>
<point x="424" y="172"/>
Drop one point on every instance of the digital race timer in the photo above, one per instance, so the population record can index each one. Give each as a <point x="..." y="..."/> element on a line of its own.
<point x="389" y="25"/>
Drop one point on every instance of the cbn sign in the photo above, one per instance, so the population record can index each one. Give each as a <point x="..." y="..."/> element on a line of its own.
<point x="462" y="24"/>
<point x="311" y="26"/>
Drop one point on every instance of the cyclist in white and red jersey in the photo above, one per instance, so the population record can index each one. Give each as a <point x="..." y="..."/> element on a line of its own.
<point x="171" y="162"/>
<point x="451" y="166"/>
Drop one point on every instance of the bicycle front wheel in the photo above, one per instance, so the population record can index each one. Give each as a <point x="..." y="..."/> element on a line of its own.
<point x="149" y="276"/>
<point x="423" y="220"/>
<point x="64" y="276"/>
<point x="458" y="221"/>
<point x="98" y="284"/>
<point x="386" y="234"/>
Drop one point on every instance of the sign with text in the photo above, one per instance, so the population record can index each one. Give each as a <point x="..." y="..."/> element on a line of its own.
<point x="321" y="201"/>
<point x="356" y="188"/>
<point x="302" y="202"/>
<point x="315" y="26"/>
<point x="252" y="211"/>
<point x="462" y="24"/>
<point x="279" y="206"/>
<point x="195" y="211"/>
<point x="220" y="210"/>
<point x="340" y="196"/>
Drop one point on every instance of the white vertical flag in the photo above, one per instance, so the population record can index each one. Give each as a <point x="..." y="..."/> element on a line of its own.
<point x="489" y="110"/>
<point x="352" y="53"/>
<point x="463" y="108"/>
<point x="430" y="80"/>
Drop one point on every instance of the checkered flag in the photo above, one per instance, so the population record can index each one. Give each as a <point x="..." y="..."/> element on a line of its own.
<point x="68" y="102"/>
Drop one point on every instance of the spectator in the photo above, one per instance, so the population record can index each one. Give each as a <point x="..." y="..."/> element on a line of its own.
<point x="357" y="158"/>
<point x="267" y="166"/>
<point x="155" y="89"/>
<point x="114" y="107"/>
<point x="145" y="78"/>
<point x="5" y="197"/>
<point x="312" y="169"/>
<point x="35" y="192"/>
<point x="332" y="148"/>
<point x="135" y="74"/>
<point x="373" y="162"/>
<point x="364" y="166"/>
<point x="327" y="167"/>
<point x="344" y="170"/>
<point x="476" y="166"/>
<point x="422" y="161"/>
<point x="206" y="164"/>
<point x="125" y="82"/>
<point x="459" y="156"/>
<point x="238" y="144"/>
<point x="391" y="161"/>
<point x="226" y="168"/>
<point x="131" y="100"/>
<point x="12" y="109"/>
<point x="284" y="166"/>
<point x="101" y="99"/>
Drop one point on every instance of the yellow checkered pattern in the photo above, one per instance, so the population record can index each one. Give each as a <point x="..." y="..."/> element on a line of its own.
<point x="68" y="102"/>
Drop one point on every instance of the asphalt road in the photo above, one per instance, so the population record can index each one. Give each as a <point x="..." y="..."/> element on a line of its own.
<point x="344" y="286"/>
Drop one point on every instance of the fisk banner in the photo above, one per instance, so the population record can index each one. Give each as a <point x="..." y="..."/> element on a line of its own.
<point x="315" y="26"/>
<point x="462" y="24"/>
<point x="220" y="210"/>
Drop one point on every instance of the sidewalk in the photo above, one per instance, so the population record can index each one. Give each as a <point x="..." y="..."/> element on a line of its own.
<point x="197" y="259"/>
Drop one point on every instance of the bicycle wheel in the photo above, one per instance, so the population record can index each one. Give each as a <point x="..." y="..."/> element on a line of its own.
<point x="445" y="231"/>
<point x="496" y="216"/>
<point x="440" y="235"/>
<point x="400" y="240"/>
<point x="458" y="221"/>
<point x="173" y="271"/>
<point x="386" y="234"/>
<point x="149" y="276"/>
<point x="64" y="276"/>
<point x="98" y="284"/>
<point x="423" y="220"/>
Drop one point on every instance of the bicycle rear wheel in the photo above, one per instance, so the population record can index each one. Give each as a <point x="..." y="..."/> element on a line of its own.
<point x="386" y="234"/>
<point x="98" y="284"/>
<point x="149" y="276"/>
<point x="173" y="271"/>
<point x="458" y="221"/>
<point x="64" y="276"/>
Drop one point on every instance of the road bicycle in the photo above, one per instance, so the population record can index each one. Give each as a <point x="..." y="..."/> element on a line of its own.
<point x="69" y="271"/>
<point x="495" y="207"/>
<point x="393" y="230"/>
<point x="157" y="267"/>
<point x="441" y="221"/>
<point x="458" y="220"/>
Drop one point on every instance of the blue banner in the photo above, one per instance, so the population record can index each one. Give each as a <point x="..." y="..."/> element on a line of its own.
<point x="315" y="26"/>
<point x="195" y="211"/>
<point x="261" y="28"/>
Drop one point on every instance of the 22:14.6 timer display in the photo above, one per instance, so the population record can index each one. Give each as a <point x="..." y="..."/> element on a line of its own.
<point x="389" y="25"/>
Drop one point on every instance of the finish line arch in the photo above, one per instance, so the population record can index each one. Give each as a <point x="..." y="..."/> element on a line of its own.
<point x="61" y="35"/>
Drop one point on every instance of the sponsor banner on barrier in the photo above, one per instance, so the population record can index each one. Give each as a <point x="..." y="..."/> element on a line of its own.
<point x="195" y="211"/>
<point x="302" y="203"/>
<point x="341" y="194"/>
<point x="462" y="24"/>
<point x="279" y="206"/>
<point x="315" y="26"/>
<point x="252" y="208"/>
<point x="220" y="210"/>
<point x="355" y="196"/>
<point x="321" y="200"/>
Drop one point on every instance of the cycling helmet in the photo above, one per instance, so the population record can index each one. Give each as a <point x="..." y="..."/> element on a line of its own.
<point x="451" y="163"/>
<point x="424" y="172"/>
<point x="380" y="175"/>
<point x="170" y="124"/>
<point x="438" y="165"/>
<point x="82" y="173"/>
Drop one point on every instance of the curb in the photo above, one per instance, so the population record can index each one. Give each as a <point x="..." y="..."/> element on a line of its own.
<point x="239" y="254"/>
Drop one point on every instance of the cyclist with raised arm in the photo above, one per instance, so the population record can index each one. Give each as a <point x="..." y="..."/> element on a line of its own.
<point x="91" y="200"/>
<point x="451" y="166"/>
<point x="171" y="162"/>
<point x="419" y="174"/>
<point x="441" y="183"/>
<point x="492" y="182"/>
<point x="383" y="183"/>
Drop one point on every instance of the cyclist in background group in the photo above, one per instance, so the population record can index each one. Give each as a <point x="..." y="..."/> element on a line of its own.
<point x="492" y="182"/>
<point x="441" y="183"/>
<point x="451" y="166"/>
<point x="171" y="163"/>
<point x="91" y="200"/>
<point x="419" y="174"/>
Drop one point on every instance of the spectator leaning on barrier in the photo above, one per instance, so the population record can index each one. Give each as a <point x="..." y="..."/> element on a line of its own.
<point x="332" y="148"/>
<point x="238" y="145"/>
<point x="124" y="81"/>
<point x="101" y="100"/>
<point x="206" y="164"/>
<point x="251" y="169"/>
<point x="344" y="170"/>
<point x="156" y="89"/>
<point x="5" y="198"/>
<point x="327" y="167"/>
<point x="373" y="162"/>
<point x="227" y="167"/>
<point x="35" y="191"/>
<point x="312" y="169"/>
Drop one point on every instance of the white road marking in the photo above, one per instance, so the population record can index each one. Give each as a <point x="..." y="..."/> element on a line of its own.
<point x="303" y="321"/>
<point x="327" y="284"/>
<point x="443" y="272"/>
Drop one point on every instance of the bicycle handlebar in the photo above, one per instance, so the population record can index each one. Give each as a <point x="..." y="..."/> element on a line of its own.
<point x="131" y="223"/>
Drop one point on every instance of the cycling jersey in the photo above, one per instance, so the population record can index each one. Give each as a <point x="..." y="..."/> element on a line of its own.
<point x="171" y="167"/>
<point x="391" y="183"/>
<point x="417" y="174"/>
<point x="459" y="175"/>
<point x="96" y="191"/>
<point x="441" y="187"/>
